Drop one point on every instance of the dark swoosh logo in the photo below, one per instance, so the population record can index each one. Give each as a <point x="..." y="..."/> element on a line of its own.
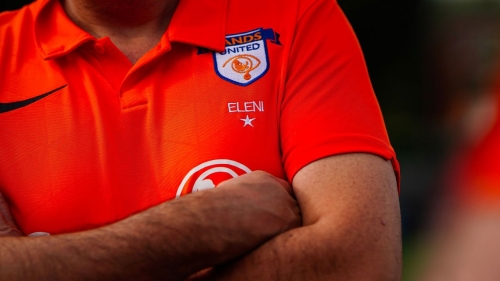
<point x="6" y="107"/>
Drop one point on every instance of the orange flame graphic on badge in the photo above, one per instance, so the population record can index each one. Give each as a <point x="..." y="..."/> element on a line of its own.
<point x="243" y="64"/>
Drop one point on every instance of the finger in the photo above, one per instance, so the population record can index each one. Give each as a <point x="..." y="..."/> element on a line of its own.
<point x="6" y="231"/>
<point x="286" y="185"/>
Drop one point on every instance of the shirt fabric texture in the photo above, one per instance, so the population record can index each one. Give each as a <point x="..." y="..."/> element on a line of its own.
<point x="232" y="87"/>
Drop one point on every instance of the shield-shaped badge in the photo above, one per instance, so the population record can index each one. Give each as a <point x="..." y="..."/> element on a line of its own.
<point x="245" y="58"/>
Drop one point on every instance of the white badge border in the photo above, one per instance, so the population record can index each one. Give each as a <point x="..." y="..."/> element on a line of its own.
<point x="254" y="79"/>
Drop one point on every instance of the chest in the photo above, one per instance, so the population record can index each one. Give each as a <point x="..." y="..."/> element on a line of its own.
<point x="96" y="151"/>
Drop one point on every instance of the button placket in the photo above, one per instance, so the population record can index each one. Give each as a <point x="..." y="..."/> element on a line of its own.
<point x="112" y="63"/>
<point x="99" y="48"/>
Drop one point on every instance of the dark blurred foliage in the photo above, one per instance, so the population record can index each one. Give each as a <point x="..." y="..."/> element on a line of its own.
<point x="392" y="34"/>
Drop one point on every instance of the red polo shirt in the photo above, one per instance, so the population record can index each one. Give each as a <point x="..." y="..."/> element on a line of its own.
<point x="87" y="138"/>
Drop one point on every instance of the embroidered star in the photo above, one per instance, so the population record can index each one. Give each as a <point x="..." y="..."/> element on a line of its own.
<point x="248" y="121"/>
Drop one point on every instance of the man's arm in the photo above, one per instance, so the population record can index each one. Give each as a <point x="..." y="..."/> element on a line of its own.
<point x="351" y="229"/>
<point x="170" y="241"/>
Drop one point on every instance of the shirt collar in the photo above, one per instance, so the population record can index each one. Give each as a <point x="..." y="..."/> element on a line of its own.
<point x="200" y="22"/>
<point x="195" y="22"/>
<point x="55" y="34"/>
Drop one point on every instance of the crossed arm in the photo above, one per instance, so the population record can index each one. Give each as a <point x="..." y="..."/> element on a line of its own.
<point x="351" y="231"/>
<point x="170" y="241"/>
<point x="351" y="227"/>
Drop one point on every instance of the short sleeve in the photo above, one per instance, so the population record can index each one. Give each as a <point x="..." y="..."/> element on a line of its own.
<point x="328" y="104"/>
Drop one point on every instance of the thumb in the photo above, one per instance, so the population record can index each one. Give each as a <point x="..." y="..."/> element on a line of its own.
<point x="286" y="185"/>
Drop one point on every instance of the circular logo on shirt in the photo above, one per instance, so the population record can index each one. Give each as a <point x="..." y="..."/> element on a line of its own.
<point x="209" y="174"/>
<point x="243" y="64"/>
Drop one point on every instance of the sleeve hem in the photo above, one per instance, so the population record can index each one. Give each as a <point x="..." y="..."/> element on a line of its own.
<point x="343" y="145"/>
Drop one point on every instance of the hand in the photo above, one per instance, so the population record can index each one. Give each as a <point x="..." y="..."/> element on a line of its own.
<point x="7" y="225"/>
<point x="257" y="206"/>
<point x="243" y="213"/>
<point x="267" y="203"/>
<point x="172" y="240"/>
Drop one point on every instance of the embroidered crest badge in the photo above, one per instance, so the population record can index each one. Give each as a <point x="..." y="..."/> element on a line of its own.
<point x="245" y="58"/>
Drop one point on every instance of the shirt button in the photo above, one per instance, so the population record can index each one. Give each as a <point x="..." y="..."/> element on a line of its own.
<point x="99" y="48"/>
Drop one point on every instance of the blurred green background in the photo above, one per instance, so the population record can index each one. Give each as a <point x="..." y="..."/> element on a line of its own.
<point x="430" y="62"/>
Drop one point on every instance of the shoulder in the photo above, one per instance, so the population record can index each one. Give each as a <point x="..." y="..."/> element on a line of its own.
<point x="303" y="6"/>
<point x="16" y="33"/>
<point x="282" y="15"/>
<point x="282" y="6"/>
<point x="20" y="61"/>
<point x="13" y="22"/>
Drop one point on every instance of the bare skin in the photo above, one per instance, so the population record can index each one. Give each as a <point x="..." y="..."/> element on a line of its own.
<point x="134" y="26"/>
<point x="351" y="228"/>
<point x="170" y="241"/>
<point x="349" y="202"/>
<point x="351" y="231"/>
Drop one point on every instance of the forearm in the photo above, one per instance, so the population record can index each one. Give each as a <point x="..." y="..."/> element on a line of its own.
<point x="170" y="241"/>
<point x="312" y="253"/>
<point x="148" y="245"/>
<point x="93" y="255"/>
<point x="352" y="227"/>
